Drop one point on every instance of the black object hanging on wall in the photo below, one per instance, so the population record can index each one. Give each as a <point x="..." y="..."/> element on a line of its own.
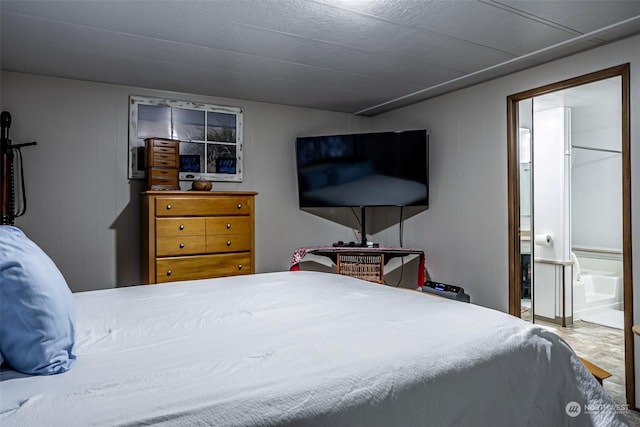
<point x="10" y="155"/>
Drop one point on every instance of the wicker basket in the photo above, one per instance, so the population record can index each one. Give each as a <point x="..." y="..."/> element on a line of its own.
<point x="362" y="266"/>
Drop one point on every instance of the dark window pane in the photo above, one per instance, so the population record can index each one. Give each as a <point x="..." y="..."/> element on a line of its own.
<point x="191" y="157"/>
<point x="221" y="158"/>
<point x="154" y="122"/>
<point x="221" y="127"/>
<point x="188" y="125"/>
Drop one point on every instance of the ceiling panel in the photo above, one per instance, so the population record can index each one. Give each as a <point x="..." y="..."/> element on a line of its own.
<point x="354" y="56"/>
<point x="113" y="47"/>
<point x="479" y="24"/>
<point x="582" y="16"/>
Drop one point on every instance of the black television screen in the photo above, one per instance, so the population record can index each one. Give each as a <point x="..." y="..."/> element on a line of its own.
<point x="366" y="169"/>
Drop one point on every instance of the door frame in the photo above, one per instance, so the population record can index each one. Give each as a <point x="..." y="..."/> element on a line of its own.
<point x="513" y="193"/>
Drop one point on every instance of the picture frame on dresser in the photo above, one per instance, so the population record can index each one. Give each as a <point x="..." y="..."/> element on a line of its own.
<point x="210" y="135"/>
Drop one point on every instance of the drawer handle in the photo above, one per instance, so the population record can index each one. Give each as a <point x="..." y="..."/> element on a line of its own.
<point x="239" y="266"/>
<point x="228" y="242"/>
<point x="239" y="205"/>
<point x="169" y="272"/>
<point x="168" y="207"/>
<point x="181" y="245"/>
<point x="181" y="227"/>
<point x="228" y="226"/>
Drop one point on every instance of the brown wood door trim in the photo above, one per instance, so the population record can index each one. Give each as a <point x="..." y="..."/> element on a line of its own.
<point x="513" y="195"/>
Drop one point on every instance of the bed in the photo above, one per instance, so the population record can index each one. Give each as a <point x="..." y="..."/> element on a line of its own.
<point x="303" y="348"/>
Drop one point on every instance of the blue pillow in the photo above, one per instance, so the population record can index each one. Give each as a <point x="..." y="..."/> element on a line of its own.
<point x="37" y="310"/>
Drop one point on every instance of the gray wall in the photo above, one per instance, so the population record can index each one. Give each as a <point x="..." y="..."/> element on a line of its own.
<point x="464" y="233"/>
<point x="84" y="212"/>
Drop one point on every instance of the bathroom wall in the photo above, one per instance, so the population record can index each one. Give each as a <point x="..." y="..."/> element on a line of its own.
<point x="525" y="176"/>
<point x="551" y="201"/>
<point x="596" y="178"/>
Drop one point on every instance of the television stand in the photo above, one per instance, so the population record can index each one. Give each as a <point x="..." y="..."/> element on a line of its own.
<point x="341" y="244"/>
<point x="331" y="252"/>
<point x="363" y="233"/>
<point x="363" y="223"/>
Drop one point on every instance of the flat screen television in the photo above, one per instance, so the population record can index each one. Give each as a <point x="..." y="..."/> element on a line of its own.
<point x="365" y="169"/>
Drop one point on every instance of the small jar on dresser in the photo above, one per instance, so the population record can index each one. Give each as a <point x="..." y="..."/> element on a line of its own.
<point x="190" y="235"/>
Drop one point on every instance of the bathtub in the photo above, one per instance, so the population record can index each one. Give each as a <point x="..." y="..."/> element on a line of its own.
<point x="596" y="291"/>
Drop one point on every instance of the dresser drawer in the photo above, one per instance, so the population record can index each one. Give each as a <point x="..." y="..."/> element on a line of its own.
<point x="158" y="143"/>
<point x="161" y="185"/>
<point x="228" y="224"/>
<point x="195" y="206"/>
<point x="162" y="173"/>
<point x="162" y="153"/>
<point x="202" y="266"/>
<point x="228" y="242"/>
<point x="180" y="245"/>
<point x="162" y="181"/>
<point x="164" y="161"/>
<point x="180" y="226"/>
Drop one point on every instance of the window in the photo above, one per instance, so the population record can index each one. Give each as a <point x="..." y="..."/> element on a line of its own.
<point x="210" y="136"/>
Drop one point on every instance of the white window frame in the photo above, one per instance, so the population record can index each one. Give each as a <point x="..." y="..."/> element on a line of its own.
<point x="136" y="142"/>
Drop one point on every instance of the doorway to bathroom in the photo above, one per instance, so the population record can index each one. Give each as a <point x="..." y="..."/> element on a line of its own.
<point x="569" y="215"/>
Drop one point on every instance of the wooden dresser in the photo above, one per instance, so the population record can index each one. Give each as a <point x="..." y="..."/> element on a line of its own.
<point x="196" y="235"/>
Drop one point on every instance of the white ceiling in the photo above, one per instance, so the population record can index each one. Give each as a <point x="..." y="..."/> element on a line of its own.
<point x="355" y="56"/>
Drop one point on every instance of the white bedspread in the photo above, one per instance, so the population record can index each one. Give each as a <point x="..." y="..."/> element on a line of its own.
<point x="303" y="348"/>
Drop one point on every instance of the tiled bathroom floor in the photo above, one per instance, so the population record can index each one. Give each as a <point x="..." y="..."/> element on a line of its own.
<point x="603" y="346"/>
